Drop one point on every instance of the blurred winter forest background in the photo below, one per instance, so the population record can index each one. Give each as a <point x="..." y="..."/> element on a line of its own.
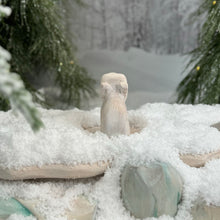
<point x="159" y="26"/>
<point x="60" y="49"/>
<point x="144" y="39"/>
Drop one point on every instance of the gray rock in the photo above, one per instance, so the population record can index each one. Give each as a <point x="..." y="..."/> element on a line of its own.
<point x="217" y="125"/>
<point x="151" y="191"/>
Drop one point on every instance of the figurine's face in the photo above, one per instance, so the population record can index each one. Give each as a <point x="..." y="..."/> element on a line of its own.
<point x="114" y="83"/>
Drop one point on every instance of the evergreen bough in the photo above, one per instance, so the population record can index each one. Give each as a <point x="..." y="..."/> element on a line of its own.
<point x="202" y="84"/>
<point x="34" y="35"/>
<point x="12" y="87"/>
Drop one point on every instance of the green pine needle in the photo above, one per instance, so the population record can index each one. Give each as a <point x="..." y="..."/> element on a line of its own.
<point x="203" y="85"/>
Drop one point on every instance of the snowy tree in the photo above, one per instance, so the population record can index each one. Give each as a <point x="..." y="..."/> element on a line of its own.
<point x="137" y="23"/>
<point x="35" y="36"/>
<point x="202" y="84"/>
<point x="12" y="87"/>
<point x="162" y="26"/>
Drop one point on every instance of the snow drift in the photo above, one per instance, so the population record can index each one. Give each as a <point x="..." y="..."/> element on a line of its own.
<point x="170" y="130"/>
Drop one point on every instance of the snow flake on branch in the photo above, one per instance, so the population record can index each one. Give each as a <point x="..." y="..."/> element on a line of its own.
<point x="4" y="11"/>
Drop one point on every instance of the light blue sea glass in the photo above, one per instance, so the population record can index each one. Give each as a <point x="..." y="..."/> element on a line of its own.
<point x="151" y="191"/>
<point x="12" y="206"/>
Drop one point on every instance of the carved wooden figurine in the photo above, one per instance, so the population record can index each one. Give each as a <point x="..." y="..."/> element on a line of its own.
<point x="114" y="116"/>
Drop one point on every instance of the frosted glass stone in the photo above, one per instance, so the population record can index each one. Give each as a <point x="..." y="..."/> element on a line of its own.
<point x="12" y="206"/>
<point x="151" y="191"/>
<point x="79" y="209"/>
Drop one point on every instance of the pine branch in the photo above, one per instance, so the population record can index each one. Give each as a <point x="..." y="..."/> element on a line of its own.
<point x="35" y="36"/>
<point x="202" y="83"/>
<point x="12" y="87"/>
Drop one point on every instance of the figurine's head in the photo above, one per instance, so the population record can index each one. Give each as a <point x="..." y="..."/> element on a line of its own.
<point x="114" y="83"/>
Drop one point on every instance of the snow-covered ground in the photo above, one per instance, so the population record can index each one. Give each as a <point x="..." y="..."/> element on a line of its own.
<point x="151" y="77"/>
<point x="170" y="130"/>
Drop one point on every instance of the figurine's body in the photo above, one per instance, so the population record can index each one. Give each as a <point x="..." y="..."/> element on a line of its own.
<point x="114" y="116"/>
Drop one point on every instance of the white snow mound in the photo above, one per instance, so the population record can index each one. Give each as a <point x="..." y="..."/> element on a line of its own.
<point x="170" y="130"/>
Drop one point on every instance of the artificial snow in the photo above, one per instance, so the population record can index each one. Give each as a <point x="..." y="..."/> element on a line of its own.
<point x="20" y="217"/>
<point x="4" y="10"/>
<point x="169" y="130"/>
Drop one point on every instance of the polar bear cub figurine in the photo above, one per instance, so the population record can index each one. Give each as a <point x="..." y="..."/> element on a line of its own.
<point x="114" y="116"/>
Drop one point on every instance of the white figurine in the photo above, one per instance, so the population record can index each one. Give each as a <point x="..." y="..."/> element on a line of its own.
<point x="114" y="116"/>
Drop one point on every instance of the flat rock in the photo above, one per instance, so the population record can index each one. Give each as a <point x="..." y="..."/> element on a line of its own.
<point x="199" y="160"/>
<point x="79" y="209"/>
<point x="151" y="191"/>
<point x="204" y="212"/>
<point x="57" y="171"/>
<point x="136" y="123"/>
<point x="97" y="128"/>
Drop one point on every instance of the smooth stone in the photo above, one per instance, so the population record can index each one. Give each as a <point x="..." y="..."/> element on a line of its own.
<point x="31" y="205"/>
<point x="12" y="206"/>
<point x="199" y="160"/>
<point x="137" y="124"/>
<point x="56" y="171"/>
<point x="96" y="128"/>
<point x="151" y="191"/>
<point x="204" y="212"/>
<point x="79" y="209"/>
